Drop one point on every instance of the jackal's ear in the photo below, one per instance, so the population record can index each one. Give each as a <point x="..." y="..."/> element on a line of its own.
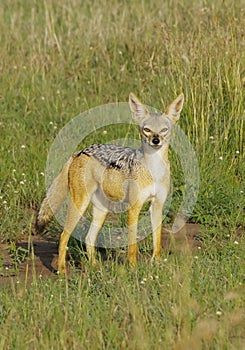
<point x="175" y="108"/>
<point x="139" y="111"/>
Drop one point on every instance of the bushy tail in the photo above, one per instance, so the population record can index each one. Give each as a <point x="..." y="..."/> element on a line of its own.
<point x="54" y="197"/>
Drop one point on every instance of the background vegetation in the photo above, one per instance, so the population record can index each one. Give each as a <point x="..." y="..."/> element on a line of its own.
<point x="61" y="58"/>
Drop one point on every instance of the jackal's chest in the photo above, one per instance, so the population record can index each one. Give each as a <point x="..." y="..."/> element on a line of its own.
<point x="160" y="171"/>
<point x="158" y="189"/>
<point x="159" y="186"/>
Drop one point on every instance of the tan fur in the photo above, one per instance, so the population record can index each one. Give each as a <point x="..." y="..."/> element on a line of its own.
<point x="90" y="180"/>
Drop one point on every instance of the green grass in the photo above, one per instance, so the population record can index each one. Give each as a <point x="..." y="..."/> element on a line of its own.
<point x="184" y="302"/>
<point x="59" y="59"/>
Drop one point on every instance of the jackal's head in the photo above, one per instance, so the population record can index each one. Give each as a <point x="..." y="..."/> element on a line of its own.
<point x="155" y="128"/>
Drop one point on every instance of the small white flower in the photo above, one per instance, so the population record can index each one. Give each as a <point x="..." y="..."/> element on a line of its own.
<point x="42" y="173"/>
<point x="14" y="170"/>
<point x="104" y="132"/>
<point x="22" y="182"/>
<point x="195" y="257"/>
<point x="211" y="137"/>
<point x="236" y="242"/>
<point x="237" y="152"/>
<point x="51" y="123"/>
<point x="4" y="202"/>
<point x="42" y="98"/>
<point x="241" y="191"/>
<point x="220" y="158"/>
<point x="218" y="313"/>
<point x="165" y="260"/>
<point x="23" y="146"/>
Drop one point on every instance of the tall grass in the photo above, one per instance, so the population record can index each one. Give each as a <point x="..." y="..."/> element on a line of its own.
<point x="58" y="59"/>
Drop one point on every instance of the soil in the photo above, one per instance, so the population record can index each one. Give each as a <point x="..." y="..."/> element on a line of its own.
<point x="40" y="261"/>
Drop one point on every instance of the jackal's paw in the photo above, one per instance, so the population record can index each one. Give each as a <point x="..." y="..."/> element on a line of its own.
<point x="155" y="259"/>
<point x="61" y="270"/>
<point x="94" y="262"/>
<point x="132" y="263"/>
<point x="60" y="273"/>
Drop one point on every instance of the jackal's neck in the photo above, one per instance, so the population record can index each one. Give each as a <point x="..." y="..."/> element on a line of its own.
<point x="151" y="154"/>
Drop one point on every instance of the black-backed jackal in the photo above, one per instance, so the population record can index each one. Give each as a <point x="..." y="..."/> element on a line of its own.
<point x="103" y="174"/>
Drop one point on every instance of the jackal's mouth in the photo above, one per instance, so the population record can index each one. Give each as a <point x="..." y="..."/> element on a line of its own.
<point x="156" y="146"/>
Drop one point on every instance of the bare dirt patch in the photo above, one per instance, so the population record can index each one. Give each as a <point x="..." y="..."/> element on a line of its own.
<point x="39" y="262"/>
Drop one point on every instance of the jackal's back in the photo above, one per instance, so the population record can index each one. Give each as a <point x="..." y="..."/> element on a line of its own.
<point x="113" y="156"/>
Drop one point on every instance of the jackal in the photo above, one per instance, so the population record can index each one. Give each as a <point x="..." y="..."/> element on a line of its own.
<point x="104" y="174"/>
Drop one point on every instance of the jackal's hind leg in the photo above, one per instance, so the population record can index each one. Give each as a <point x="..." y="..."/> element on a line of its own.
<point x="73" y="216"/>
<point x="99" y="217"/>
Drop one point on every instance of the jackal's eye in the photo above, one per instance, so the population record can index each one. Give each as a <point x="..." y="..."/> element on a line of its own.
<point x="164" y="130"/>
<point x="147" y="130"/>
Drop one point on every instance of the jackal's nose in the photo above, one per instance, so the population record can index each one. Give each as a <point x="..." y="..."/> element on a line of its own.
<point x="155" y="140"/>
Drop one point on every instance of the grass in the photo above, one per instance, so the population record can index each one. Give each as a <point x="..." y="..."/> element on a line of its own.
<point x="173" y="305"/>
<point x="59" y="59"/>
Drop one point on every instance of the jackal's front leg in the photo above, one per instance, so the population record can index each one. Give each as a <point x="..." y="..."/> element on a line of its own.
<point x="133" y="215"/>
<point x="156" y="222"/>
